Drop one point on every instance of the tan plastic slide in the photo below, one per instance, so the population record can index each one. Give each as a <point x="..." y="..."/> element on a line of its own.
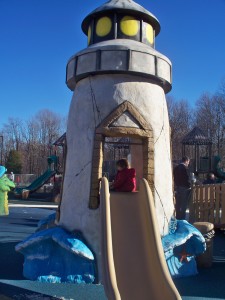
<point x="134" y="267"/>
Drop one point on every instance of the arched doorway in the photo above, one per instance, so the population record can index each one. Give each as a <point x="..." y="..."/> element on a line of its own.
<point x="124" y="122"/>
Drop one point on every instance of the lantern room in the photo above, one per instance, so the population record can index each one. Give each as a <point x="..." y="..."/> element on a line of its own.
<point x="122" y="19"/>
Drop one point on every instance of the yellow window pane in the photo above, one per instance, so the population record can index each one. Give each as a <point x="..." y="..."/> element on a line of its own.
<point x="103" y="26"/>
<point x="149" y="34"/>
<point x="89" y="35"/>
<point x="129" y="26"/>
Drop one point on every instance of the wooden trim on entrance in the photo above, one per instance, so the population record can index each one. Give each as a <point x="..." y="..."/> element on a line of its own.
<point x="144" y="132"/>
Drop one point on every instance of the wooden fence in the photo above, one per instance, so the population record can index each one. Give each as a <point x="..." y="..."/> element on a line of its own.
<point x="208" y="204"/>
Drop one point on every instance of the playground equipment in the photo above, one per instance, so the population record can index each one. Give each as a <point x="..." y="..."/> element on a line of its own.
<point x="41" y="180"/>
<point x="133" y="260"/>
<point x="217" y="169"/>
<point x="199" y="148"/>
<point x="131" y="104"/>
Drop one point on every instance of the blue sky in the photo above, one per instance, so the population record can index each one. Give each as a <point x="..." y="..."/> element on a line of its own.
<point x="37" y="37"/>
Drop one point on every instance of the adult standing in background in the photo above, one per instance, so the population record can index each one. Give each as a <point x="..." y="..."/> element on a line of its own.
<point x="182" y="187"/>
<point x="12" y="176"/>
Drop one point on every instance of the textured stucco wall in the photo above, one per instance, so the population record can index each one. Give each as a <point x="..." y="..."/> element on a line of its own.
<point x="94" y="99"/>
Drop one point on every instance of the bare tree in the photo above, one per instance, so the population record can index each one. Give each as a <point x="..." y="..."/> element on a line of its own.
<point x="49" y="127"/>
<point x="181" y="120"/>
<point x="204" y="114"/>
<point x="13" y="133"/>
<point x="31" y="145"/>
<point x="33" y="139"/>
<point x="221" y="90"/>
<point x="210" y="117"/>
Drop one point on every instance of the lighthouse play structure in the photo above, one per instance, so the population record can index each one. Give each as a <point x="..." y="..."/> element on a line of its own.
<point x="119" y="83"/>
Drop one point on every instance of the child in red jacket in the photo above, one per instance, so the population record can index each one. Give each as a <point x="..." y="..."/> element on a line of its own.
<point x="125" y="180"/>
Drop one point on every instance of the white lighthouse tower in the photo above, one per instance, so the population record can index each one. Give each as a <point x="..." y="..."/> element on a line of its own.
<point x="119" y="83"/>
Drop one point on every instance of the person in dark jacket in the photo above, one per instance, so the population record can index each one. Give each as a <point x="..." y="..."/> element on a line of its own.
<point x="182" y="188"/>
<point x="210" y="179"/>
<point x="125" y="180"/>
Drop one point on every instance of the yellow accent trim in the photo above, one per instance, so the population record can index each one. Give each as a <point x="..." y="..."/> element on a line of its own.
<point x="149" y="33"/>
<point x="89" y="35"/>
<point x="6" y="203"/>
<point x="103" y="26"/>
<point x="129" y="26"/>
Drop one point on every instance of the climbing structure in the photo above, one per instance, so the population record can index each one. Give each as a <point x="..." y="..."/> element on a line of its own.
<point x="119" y="83"/>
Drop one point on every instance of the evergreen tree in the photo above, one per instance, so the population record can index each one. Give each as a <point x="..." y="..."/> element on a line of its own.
<point x="14" y="162"/>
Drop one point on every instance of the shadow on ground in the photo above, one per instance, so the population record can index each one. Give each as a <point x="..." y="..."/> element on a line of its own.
<point x="209" y="283"/>
<point x="11" y="263"/>
<point x="42" y="197"/>
<point x="11" y="268"/>
<point x="12" y="292"/>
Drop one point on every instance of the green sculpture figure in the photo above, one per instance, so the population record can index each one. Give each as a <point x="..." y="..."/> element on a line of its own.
<point x="5" y="186"/>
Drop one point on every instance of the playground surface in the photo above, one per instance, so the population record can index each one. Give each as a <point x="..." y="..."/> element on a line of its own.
<point x="22" y="222"/>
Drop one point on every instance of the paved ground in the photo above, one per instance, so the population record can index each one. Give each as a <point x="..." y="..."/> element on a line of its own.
<point x="22" y="221"/>
<point x="209" y="283"/>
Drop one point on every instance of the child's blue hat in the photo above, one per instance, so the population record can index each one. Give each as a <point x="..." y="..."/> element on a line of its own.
<point x="2" y="170"/>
